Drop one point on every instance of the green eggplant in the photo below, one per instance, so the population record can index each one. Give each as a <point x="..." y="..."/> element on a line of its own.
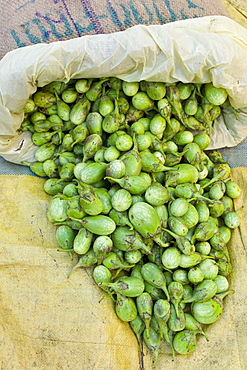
<point x="136" y="185"/>
<point x="132" y="160"/>
<point x="90" y="202"/>
<point x="91" y="145"/>
<point x="125" y="239"/>
<point x="79" y="111"/>
<point x="154" y="276"/>
<point x="82" y="241"/>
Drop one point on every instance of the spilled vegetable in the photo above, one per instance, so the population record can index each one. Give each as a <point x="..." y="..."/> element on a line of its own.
<point x="136" y="196"/>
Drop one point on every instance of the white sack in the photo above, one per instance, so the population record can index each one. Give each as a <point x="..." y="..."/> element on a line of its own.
<point x="201" y="50"/>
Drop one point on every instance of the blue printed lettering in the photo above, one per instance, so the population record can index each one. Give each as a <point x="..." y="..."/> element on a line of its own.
<point x="173" y="17"/>
<point x="32" y="38"/>
<point x="52" y="23"/>
<point x="192" y="5"/>
<point x="28" y="2"/>
<point x="127" y="15"/>
<point x="150" y="14"/>
<point x="45" y="35"/>
<point x="49" y="25"/>
<point x="114" y="15"/>
<point x="136" y="13"/>
<point x="83" y="30"/>
<point x="92" y="16"/>
<point x="17" y="39"/>
<point x="68" y="14"/>
<point x="183" y="15"/>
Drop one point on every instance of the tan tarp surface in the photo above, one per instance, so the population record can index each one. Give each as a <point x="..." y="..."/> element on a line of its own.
<point x="51" y="322"/>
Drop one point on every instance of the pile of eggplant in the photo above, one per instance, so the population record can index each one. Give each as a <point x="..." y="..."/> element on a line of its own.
<point x="136" y="196"/>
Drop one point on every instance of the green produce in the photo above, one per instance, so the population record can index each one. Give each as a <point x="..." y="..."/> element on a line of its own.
<point x="129" y="286"/>
<point x="207" y="312"/>
<point x="142" y="101"/>
<point x="232" y="220"/>
<point x="86" y="260"/>
<point x="115" y="169"/>
<point x="144" y="305"/>
<point x="120" y="218"/>
<point x="111" y="154"/>
<point x="102" y="274"/>
<point x="103" y="194"/>
<point x="90" y="202"/>
<point x="125" y="308"/>
<point x="126" y="240"/>
<point x="45" y="151"/>
<point x="195" y="275"/>
<point x="79" y="133"/>
<point x="150" y="163"/>
<point x="215" y="95"/>
<point x="192" y="324"/>
<point x="222" y="283"/>
<point x="132" y="160"/>
<point x="157" y="125"/>
<point x="154" y="276"/>
<point x="63" y="109"/>
<point x="180" y="174"/>
<point x="162" y="213"/>
<point x="57" y="210"/>
<point x="232" y="189"/>
<point x="156" y="194"/>
<point x="39" y="138"/>
<point x="156" y="90"/>
<point x="191" y="104"/>
<point x="203" y="247"/>
<point x="69" y="95"/>
<point x="185" y="341"/>
<point x="130" y="88"/>
<point x="133" y="257"/>
<point x="65" y="236"/>
<point x="121" y="200"/>
<point x="178" y="207"/>
<point x="44" y="99"/>
<point x="204" y="291"/>
<point x="185" y="89"/>
<point x="153" y="342"/>
<point x="83" y="85"/>
<point x="136" y="198"/>
<point x="137" y="325"/>
<point x="176" y="290"/>
<point x="80" y="111"/>
<point x="99" y="224"/>
<point x="82" y="241"/>
<point x="37" y="168"/>
<point x="171" y="258"/>
<point x="91" y="145"/>
<point x="176" y="321"/>
<point x="162" y="312"/>
<point x="178" y="226"/>
<point x="180" y="275"/>
<point x="102" y="245"/>
<point x="191" y="217"/>
<point x="93" y="172"/>
<point x="113" y="261"/>
<point x="136" y="185"/>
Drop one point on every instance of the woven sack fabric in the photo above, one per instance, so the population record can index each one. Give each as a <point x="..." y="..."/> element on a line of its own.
<point x="30" y="22"/>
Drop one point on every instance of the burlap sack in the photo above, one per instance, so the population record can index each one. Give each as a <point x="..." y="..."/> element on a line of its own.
<point x="50" y="322"/>
<point x="31" y="22"/>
